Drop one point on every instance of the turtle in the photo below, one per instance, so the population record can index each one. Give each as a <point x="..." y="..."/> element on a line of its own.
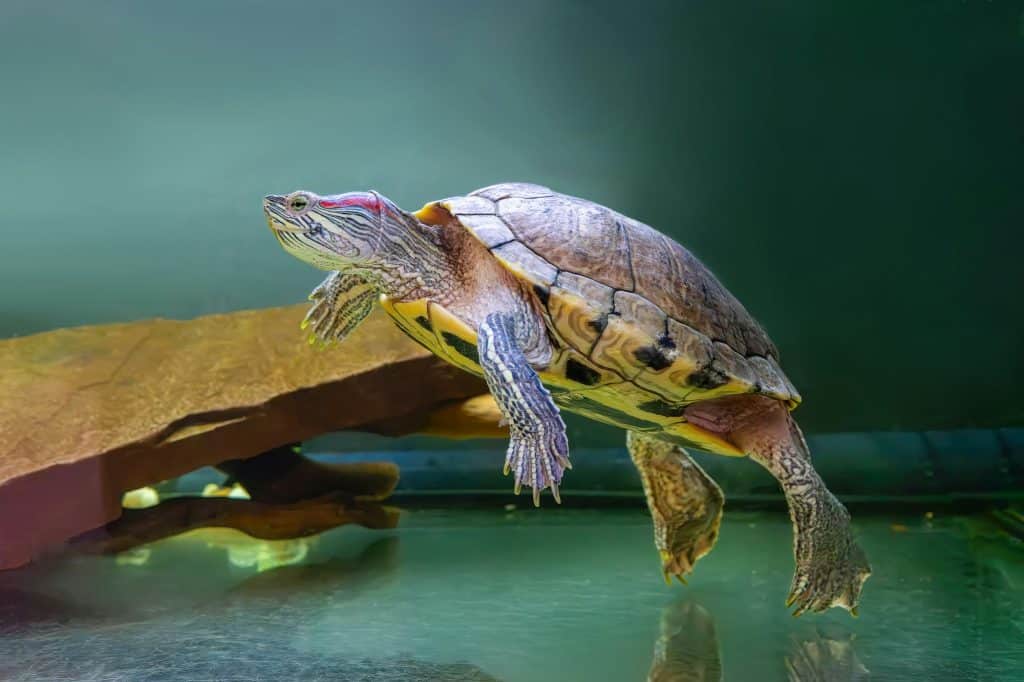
<point x="560" y="303"/>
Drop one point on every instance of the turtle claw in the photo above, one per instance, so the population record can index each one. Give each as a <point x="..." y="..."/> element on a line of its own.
<point x="315" y="315"/>
<point x="798" y="592"/>
<point x="537" y="465"/>
<point x="669" y="575"/>
<point x="676" y="566"/>
<point x="321" y="289"/>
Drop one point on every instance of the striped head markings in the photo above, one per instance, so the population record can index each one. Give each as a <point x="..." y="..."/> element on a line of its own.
<point x="330" y="232"/>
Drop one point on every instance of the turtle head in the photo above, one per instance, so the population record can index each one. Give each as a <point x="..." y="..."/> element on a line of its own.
<point x="335" y="232"/>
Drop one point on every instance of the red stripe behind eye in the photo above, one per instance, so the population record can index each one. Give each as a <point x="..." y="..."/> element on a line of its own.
<point x="367" y="201"/>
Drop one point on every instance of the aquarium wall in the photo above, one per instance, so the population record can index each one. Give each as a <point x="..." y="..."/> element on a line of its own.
<point x="846" y="170"/>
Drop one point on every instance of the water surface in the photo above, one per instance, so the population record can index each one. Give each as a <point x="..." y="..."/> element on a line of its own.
<point x="490" y="594"/>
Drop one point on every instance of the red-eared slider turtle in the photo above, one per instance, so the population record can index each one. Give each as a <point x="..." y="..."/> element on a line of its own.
<point x="560" y="302"/>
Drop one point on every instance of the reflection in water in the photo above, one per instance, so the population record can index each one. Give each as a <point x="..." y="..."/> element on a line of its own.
<point x="203" y="642"/>
<point x="136" y="556"/>
<point x="377" y="560"/>
<point x="267" y="555"/>
<point x="24" y="609"/>
<point x="998" y="552"/>
<point x="242" y="550"/>
<point x="999" y="557"/>
<point x="825" y="658"/>
<point x="687" y="650"/>
<point x="687" y="647"/>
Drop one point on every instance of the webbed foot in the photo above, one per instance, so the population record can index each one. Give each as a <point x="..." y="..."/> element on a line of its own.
<point x="831" y="568"/>
<point x="686" y="505"/>
<point x="688" y="542"/>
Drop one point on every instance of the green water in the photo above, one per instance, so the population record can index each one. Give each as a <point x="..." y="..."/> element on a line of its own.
<point x="519" y="596"/>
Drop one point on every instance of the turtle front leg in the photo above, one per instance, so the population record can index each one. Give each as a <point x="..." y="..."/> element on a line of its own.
<point x="685" y="504"/>
<point x="538" y="451"/>
<point x="340" y="304"/>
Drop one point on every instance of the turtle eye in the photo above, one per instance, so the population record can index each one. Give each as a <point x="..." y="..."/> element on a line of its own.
<point x="298" y="203"/>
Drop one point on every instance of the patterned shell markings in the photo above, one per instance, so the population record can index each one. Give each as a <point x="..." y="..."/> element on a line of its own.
<point x="628" y="297"/>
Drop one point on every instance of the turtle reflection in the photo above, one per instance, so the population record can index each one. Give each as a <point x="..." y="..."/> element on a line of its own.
<point x="687" y="650"/>
<point x="687" y="647"/>
<point x="825" y="657"/>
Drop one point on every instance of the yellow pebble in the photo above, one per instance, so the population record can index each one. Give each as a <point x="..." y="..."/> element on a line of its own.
<point x="140" y="498"/>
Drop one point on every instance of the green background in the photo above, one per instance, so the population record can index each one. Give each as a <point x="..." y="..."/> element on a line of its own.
<point x="853" y="172"/>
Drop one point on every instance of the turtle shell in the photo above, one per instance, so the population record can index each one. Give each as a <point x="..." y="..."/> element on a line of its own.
<point x="641" y="324"/>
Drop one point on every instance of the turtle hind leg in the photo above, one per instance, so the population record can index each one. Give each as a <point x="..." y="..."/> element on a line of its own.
<point x="830" y="566"/>
<point x="538" y="451"/>
<point x="685" y="504"/>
